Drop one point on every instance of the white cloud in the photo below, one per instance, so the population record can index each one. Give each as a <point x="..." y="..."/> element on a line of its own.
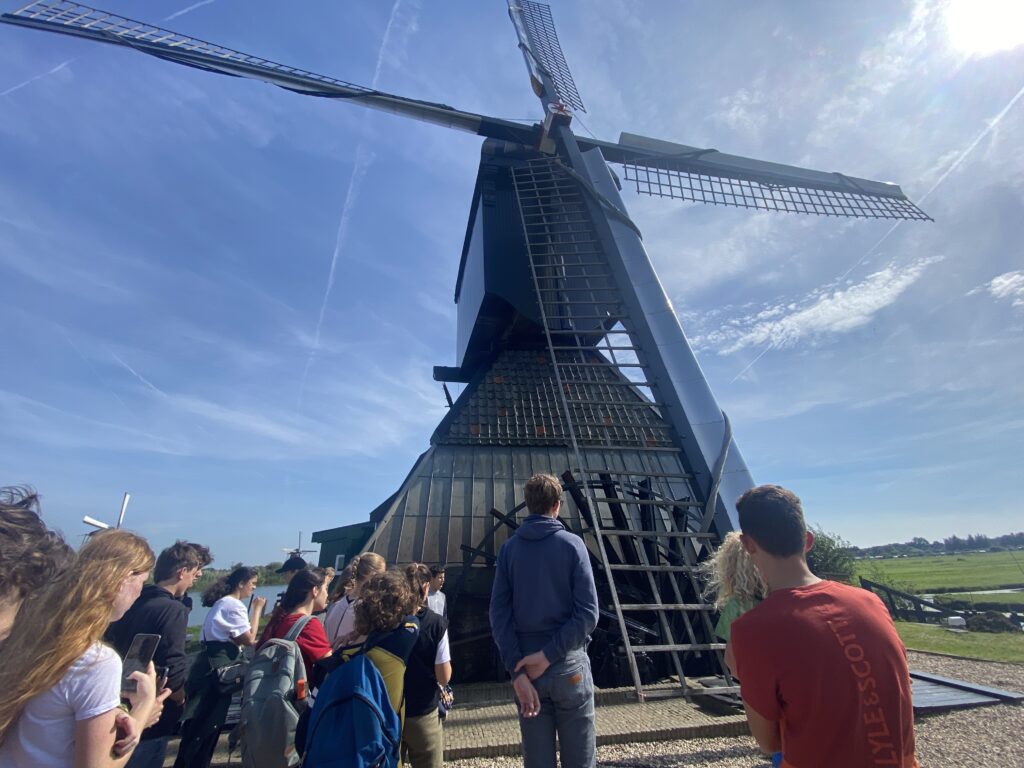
<point x="821" y="314"/>
<point x="1009" y="285"/>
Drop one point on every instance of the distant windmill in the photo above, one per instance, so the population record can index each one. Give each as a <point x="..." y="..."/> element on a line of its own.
<point x="297" y="551"/>
<point x="100" y="526"/>
<point x="573" y="357"/>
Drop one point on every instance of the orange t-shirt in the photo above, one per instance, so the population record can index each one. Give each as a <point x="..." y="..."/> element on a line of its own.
<point x="826" y="663"/>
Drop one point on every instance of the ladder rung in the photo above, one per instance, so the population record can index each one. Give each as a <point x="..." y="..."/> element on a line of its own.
<point x="631" y="473"/>
<point x="601" y="331"/>
<point x="654" y="568"/>
<point x="711" y="691"/>
<point x="595" y="317"/>
<point x="658" y="534"/>
<point x="648" y="502"/>
<point x="640" y="448"/>
<point x="611" y="406"/>
<point x="666" y="607"/>
<point x="609" y="364"/>
<point x="602" y="383"/>
<point x="678" y="647"/>
<point x="590" y="348"/>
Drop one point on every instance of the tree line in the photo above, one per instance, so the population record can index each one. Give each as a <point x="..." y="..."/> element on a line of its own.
<point x="267" y="575"/>
<point x="921" y="546"/>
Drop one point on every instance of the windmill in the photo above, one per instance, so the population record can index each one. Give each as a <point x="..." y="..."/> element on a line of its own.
<point x="573" y="358"/>
<point x="297" y="551"/>
<point x="99" y="525"/>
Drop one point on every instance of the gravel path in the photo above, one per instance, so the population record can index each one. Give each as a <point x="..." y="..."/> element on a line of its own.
<point x="985" y="736"/>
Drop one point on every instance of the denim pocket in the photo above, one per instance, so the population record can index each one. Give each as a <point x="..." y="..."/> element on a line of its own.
<point x="574" y="686"/>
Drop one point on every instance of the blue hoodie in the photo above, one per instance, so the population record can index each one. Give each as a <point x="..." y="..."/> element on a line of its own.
<point x="543" y="596"/>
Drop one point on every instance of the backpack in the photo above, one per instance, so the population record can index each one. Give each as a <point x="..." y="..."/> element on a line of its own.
<point x="273" y="694"/>
<point x="352" y="722"/>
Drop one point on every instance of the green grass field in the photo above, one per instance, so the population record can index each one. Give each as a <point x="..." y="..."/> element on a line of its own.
<point x="1005" y="600"/>
<point x="976" y="645"/>
<point x="948" y="573"/>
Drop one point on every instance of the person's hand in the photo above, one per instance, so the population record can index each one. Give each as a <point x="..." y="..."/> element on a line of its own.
<point x="258" y="602"/>
<point x="143" y="699"/>
<point x="127" y="731"/>
<point x="526" y="694"/>
<point x="536" y="664"/>
<point x="144" y="695"/>
<point x="158" y="707"/>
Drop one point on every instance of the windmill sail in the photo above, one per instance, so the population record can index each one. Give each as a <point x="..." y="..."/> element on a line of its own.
<point x="543" y="53"/>
<point x="100" y="26"/>
<point x="664" y="169"/>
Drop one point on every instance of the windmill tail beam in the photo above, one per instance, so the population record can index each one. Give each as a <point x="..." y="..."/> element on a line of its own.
<point x="665" y="169"/>
<point x="99" y="26"/>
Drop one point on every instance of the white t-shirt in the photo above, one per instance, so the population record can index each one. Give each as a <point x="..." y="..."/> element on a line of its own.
<point x="436" y="602"/>
<point x="443" y="653"/>
<point x="44" y="734"/>
<point x="226" y="620"/>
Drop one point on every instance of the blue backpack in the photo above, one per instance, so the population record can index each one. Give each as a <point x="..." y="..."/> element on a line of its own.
<point x="352" y="723"/>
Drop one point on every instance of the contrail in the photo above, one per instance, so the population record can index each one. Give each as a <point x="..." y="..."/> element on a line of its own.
<point x="956" y="164"/>
<point x="63" y="64"/>
<point x="364" y="159"/>
<point x="191" y="8"/>
<point x="31" y="80"/>
<point x="139" y="376"/>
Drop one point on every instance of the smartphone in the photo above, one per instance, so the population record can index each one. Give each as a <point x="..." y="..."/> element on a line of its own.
<point x="140" y="653"/>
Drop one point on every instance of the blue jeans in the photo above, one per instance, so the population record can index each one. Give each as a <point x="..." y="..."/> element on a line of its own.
<point x="566" y="692"/>
<point x="149" y="754"/>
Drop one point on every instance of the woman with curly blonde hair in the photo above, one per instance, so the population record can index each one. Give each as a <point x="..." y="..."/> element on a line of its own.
<point x="385" y="614"/>
<point x="733" y="581"/>
<point x="61" y="685"/>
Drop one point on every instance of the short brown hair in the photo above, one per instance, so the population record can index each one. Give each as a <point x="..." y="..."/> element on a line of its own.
<point x="542" y="492"/>
<point x="384" y="601"/>
<point x="773" y="517"/>
<point x="181" y="554"/>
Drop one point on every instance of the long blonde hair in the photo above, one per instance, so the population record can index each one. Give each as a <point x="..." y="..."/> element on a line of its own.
<point x="730" y="573"/>
<point x="69" y="616"/>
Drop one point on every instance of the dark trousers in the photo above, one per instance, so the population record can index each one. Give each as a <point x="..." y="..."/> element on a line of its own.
<point x="207" y="707"/>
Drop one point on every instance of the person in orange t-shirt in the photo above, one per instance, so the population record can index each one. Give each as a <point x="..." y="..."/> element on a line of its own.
<point x="822" y="672"/>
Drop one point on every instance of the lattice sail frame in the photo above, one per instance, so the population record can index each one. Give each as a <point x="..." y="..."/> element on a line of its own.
<point x="748" y="193"/>
<point x="547" y="51"/>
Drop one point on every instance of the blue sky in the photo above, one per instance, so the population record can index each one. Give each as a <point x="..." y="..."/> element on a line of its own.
<point x="169" y="326"/>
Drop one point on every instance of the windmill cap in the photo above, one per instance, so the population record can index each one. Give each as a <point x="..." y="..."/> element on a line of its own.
<point x="293" y="563"/>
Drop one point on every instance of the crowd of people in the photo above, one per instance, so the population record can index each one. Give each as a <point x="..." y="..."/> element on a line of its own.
<point x="67" y="620"/>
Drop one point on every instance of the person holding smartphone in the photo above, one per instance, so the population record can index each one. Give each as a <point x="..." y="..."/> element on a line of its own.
<point x="61" y="702"/>
<point x="159" y="611"/>
<point x="228" y="628"/>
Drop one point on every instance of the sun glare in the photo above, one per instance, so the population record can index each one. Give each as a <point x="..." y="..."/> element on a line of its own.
<point x="983" y="27"/>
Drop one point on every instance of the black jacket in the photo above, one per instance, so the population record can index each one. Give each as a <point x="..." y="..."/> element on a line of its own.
<point x="157" y="612"/>
<point x="420" y="679"/>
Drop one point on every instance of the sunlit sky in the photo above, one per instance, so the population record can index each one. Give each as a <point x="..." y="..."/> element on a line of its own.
<point x="168" y="325"/>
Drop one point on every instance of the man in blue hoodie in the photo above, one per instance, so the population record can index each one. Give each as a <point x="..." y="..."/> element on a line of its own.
<point x="543" y="609"/>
